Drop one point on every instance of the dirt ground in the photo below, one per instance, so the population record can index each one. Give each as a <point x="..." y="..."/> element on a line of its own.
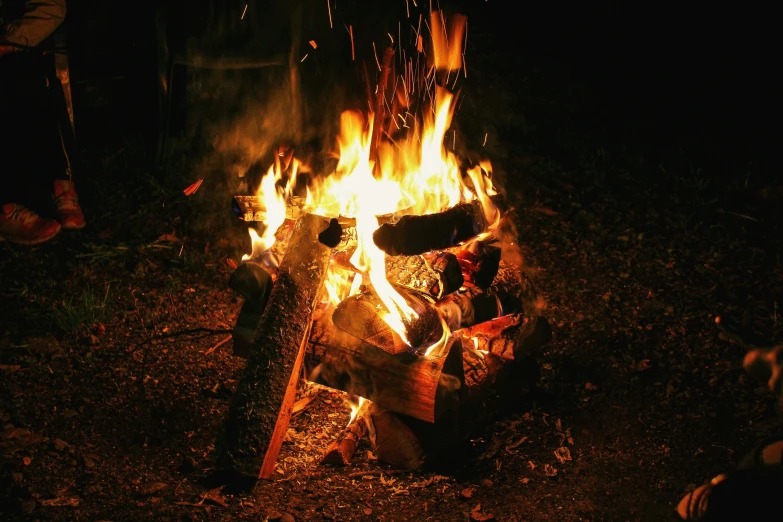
<point x="110" y="403"/>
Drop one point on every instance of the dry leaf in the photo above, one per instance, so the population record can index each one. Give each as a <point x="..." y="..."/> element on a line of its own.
<point x="563" y="454"/>
<point x="477" y="516"/>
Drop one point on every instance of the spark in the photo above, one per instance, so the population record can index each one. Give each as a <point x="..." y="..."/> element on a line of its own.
<point x="313" y="44"/>
<point x="304" y="58"/>
<point x="243" y="13"/>
<point x="486" y="135"/>
<point x="407" y="8"/>
<point x="353" y="54"/>
<point x="376" y="56"/>
<point x="464" y="50"/>
<point x="329" y="7"/>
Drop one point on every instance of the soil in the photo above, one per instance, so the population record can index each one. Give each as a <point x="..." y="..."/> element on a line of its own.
<point x="111" y="396"/>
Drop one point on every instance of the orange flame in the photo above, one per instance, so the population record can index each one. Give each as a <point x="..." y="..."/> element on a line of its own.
<point x="417" y="175"/>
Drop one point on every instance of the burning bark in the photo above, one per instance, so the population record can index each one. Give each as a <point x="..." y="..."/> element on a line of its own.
<point x="261" y="408"/>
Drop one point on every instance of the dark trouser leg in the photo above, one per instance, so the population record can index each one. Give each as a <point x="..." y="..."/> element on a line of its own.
<point x="31" y="152"/>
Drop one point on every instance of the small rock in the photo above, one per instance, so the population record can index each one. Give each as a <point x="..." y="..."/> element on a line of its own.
<point x="274" y="516"/>
<point x="60" y="444"/>
<point x="287" y="517"/>
<point x="367" y="511"/>
<point x="486" y="482"/>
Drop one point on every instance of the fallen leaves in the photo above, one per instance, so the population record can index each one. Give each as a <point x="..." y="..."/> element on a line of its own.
<point x="563" y="454"/>
<point x="476" y="515"/>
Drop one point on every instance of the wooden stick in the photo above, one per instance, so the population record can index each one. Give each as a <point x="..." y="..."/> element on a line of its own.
<point x="342" y="449"/>
<point x="261" y="409"/>
<point x="218" y="345"/>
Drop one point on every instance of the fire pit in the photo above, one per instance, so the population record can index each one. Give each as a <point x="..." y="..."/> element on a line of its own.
<point x="385" y="279"/>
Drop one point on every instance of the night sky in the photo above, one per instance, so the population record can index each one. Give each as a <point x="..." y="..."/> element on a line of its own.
<point x="699" y="75"/>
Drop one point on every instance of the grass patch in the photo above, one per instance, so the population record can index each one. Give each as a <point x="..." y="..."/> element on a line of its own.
<point x="79" y="314"/>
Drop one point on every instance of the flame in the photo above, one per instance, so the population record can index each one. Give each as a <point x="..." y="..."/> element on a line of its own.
<point x="417" y="175"/>
<point x="275" y="200"/>
<point x="356" y="408"/>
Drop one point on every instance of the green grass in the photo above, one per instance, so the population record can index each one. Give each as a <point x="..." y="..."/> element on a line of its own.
<point x="79" y="314"/>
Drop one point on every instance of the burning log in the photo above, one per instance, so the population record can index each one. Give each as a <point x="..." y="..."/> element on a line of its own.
<point x="360" y="316"/>
<point x="435" y="275"/>
<point x="261" y="408"/>
<point x="423" y="387"/>
<point x="479" y="264"/>
<point x="468" y="308"/>
<point x="341" y="450"/>
<point x="413" y="235"/>
<point x="509" y="337"/>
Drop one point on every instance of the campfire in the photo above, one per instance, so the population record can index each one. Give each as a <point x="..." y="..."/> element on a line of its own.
<point x="383" y="277"/>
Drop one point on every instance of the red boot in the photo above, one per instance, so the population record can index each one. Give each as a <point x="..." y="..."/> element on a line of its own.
<point x="67" y="202"/>
<point x="21" y="225"/>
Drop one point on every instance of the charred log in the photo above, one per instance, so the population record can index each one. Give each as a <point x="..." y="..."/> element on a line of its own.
<point x="361" y="316"/>
<point x="252" y="282"/>
<point x="413" y="235"/>
<point x="261" y="408"/>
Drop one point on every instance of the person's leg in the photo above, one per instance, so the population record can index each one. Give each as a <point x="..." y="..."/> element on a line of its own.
<point x="26" y="159"/>
<point x="69" y="211"/>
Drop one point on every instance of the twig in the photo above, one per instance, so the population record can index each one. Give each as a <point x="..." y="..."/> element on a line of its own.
<point x="376" y="472"/>
<point x="208" y="331"/>
<point x="218" y="345"/>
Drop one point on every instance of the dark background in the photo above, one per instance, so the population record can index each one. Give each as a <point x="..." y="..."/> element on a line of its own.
<point x="666" y="79"/>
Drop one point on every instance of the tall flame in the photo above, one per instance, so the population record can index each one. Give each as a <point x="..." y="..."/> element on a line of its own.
<point x="417" y="175"/>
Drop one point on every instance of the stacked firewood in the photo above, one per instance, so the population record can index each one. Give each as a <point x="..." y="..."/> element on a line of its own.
<point x="476" y="327"/>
